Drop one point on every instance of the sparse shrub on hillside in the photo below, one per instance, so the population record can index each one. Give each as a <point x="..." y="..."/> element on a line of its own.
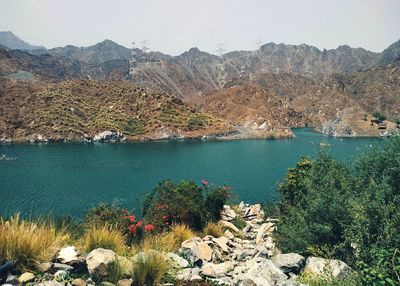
<point x="184" y="203"/>
<point x="178" y="203"/>
<point x="134" y="127"/>
<point x="379" y="117"/>
<point x="196" y="122"/>
<point x="29" y="242"/>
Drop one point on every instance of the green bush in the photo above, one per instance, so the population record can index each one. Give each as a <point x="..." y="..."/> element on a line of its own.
<point x="196" y="122"/>
<point x="379" y="117"/>
<point x="215" y="200"/>
<point x="184" y="203"/>
<point x="330" y="210"/>
<point x="105" y="214"/>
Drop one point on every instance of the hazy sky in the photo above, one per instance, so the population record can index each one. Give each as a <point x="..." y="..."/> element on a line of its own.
<point x="173" y="26"/>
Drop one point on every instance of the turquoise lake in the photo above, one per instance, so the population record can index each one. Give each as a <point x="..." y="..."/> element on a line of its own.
<point x="67" y="178"/>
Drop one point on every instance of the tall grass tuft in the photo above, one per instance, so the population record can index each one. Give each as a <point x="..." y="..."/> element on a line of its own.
<point x="214" y="229"/>
<point x="29" y="242"/>
<point x="103" y="237"/>
<point x="149" y="268"/>
<point x="167" y="241"/>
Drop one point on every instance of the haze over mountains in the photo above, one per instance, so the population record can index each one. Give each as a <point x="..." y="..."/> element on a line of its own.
<point x="275" y="86"/>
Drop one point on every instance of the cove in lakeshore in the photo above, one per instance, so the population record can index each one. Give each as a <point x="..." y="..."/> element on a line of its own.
<point x="67" y="178"/>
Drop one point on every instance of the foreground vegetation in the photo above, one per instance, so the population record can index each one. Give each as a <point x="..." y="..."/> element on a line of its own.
<point x="327" y="209"/>
<point x="172" y="214"/>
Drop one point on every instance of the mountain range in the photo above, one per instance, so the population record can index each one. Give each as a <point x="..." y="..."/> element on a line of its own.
<point x="274" y="87"/>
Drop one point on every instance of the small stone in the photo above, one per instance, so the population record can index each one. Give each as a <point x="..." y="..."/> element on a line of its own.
<point x="195" y="249"/>
<point x="222" y="243"/>
<point x="229" y="234"/>
<point x="179" y="261"/>
<point x="62" y="266"/>
<point x="26" y="277"/>
<point x="98" y="261"/>
<point x="12" y="279"/>
<point x="60" y="275"/>
<point x="217" y="270"/>
<point x="125" y="282"/>
<point x="196" y="277"/>
<point x="68" y="254"/>
<point x="105" y="283"/>
<point x="78" y="282"/>
<point x="289" y="262"/>
<point x="229" y="225"/>
<point x="333" y="267"/>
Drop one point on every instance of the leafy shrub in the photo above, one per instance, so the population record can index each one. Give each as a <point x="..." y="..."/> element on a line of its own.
<point x="106" y="214"/>
<point x="215" y="200"/>
<point x="311" y="279"/>
<point x="149" y="268"/>
<point x="315" y="205"/>
<point x="103" y="237"/>
<point x="384" y="267"/>
<point x="214" y="229"/>
<point x="379" y="117"/>
<point x="29" y="242"/>
<point x="351" y="214"/>
<point x="183" y="203"/>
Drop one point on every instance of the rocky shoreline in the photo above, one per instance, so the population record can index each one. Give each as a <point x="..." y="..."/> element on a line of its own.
<point x="111" y="136"/>
<point x="246" y="257"/>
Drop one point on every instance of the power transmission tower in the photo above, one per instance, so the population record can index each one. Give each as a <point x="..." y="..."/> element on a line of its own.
<point x="145" y="47"/>
<point x="221" y="50"/>
<point x="133" y="62"/>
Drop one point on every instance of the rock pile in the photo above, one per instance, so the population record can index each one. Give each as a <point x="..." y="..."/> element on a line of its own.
<point x="244" y="256"/>
<point x="248" y="256"/>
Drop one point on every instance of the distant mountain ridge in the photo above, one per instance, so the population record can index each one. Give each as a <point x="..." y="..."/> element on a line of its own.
<point x="270" y="89"/>
<point x="11" y="41"/>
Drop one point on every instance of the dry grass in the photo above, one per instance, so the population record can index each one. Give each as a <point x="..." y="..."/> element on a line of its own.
<point x="168" y="241"/>
<point x="103" y="237"/>
<point x="149" y="268"/>
<point x="29" y="242"/>
<point x="214" y="229"/>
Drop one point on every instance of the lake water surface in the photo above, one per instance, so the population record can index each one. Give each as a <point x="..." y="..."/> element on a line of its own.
<point x="67" y="178"/>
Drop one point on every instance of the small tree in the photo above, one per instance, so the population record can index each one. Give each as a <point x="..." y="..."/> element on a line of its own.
<point x="379" y="117"/>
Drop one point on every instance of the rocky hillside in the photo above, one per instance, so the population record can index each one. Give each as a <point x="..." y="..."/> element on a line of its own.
<point x="75" y="109"/>
<point x="104" y="51"/>
<point x="285" y="99"/>
<point x="20" y="65"/>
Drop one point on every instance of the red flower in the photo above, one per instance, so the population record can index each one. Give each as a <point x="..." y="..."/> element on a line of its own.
<point x="139" y="224"/>
<point x="204" y="182"/>
<point x="132" y="228"/>
<point x="164" y="217"/>
<point x="131" y="218"/>
<point x="149" y="227"/>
